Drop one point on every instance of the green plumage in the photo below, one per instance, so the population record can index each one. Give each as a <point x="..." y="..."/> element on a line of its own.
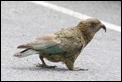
<point x="47" y="47"/>
<point x="64" y="45"/>
<point x="54" y="50"/>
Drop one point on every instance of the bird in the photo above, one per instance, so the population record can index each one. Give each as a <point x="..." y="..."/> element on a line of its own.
<point x="64" y="45"/>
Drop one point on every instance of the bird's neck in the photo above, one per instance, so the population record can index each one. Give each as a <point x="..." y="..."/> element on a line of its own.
<point x="87" y="35"/>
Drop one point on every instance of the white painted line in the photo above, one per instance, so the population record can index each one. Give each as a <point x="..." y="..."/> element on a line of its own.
<point x="75" y="14"/>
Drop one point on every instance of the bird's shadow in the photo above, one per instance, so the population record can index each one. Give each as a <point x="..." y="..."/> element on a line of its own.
<point x="43" y="69"/>
<point x="39" y="69"/>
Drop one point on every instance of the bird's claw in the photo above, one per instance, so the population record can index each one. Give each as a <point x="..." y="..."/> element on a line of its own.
<point x="79" y="69"/>
<point x="44" y="66"/>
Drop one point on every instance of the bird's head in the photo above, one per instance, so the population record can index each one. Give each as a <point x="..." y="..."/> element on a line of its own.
<point x="91" y="25"/>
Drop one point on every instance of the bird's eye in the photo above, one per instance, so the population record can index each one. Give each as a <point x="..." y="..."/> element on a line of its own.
<point x="92" y="25"/>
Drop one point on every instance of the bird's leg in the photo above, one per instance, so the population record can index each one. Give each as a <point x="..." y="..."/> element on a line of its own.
<point x="70" y="64"/>
<point x="44" y="64"/>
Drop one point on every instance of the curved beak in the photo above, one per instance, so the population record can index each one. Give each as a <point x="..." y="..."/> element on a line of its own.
<point x="104" y="27"/>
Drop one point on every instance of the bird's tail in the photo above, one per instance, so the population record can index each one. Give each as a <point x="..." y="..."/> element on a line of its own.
<point x="25" y="53"/>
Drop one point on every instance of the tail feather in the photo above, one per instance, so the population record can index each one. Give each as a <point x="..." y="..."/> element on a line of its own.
<point x="23" y="46"/>
<point x="25" y="53"/>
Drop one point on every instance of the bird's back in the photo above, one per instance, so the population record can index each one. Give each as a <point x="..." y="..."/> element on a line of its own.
<point x="71" y="44"/>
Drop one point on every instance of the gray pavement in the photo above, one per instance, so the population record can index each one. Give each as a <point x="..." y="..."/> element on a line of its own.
<point x="109" y="11"/>
<point x="23" y="21"/>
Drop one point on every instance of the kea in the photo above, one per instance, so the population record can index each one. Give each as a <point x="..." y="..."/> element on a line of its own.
<point x="64" y="45"/>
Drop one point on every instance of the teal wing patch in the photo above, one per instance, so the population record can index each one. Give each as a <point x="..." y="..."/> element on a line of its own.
<point x="48" y="47"/>
<point x="54" y="50"/>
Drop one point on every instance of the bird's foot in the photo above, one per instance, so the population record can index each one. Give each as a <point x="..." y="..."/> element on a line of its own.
<point x="44" y="66"/>
<point x="79" y="69"/>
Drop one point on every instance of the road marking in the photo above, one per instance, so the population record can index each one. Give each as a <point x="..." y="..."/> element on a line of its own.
<point x="75" y="14"/>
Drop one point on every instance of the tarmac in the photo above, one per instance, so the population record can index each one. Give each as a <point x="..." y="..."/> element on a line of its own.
<point x="23" y="21"/>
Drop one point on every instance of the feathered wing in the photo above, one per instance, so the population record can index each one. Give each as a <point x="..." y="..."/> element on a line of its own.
<point x="25" y="53"/>
<point x="41" y="45"/>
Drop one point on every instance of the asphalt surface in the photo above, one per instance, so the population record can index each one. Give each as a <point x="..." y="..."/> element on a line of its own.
<point x="23" y="21"/>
